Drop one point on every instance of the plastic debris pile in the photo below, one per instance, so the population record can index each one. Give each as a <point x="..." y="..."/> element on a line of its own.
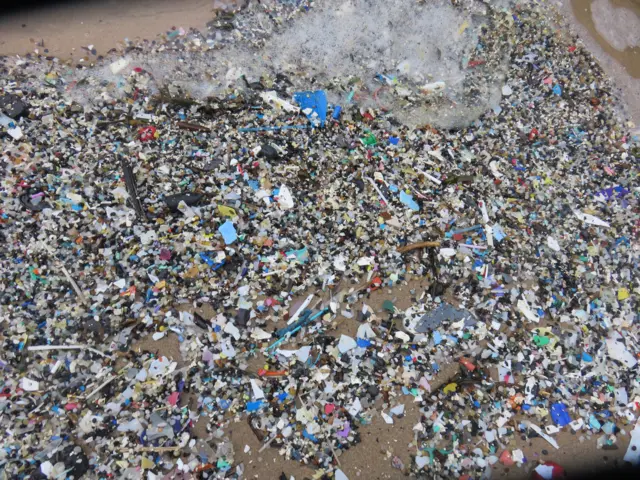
<point x="259" y="227"/>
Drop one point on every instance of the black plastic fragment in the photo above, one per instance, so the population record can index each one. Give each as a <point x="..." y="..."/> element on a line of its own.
<point x="27" y="201"/>
<point x="12" y="106"/>
<point x="268" y="152"/>
<point x="132" y="189"/>
<point x="173" y="201"/>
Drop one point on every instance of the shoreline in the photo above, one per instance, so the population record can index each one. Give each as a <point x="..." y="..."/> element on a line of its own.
<point x="73" y="32"/>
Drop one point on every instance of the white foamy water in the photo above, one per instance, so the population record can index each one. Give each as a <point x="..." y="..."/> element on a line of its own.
<point x="407" y="58"/>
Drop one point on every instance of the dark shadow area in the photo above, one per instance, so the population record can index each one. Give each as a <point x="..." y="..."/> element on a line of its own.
<point x="24" y="6"/>
<point x="613" y="473"/>
<point x="32" y="5"/>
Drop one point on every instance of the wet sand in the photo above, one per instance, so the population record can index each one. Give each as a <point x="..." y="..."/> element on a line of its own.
<point x="625" y="15"/>
<point x="617" y="19"/>
<point x="611" y="31"/>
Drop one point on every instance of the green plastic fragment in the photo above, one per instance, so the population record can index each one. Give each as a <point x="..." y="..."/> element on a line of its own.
<point x="541" y="341"/>
<point x="369" y="140"/>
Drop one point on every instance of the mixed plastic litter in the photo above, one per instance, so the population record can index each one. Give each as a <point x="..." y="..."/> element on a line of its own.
<point x="259" y="226"/>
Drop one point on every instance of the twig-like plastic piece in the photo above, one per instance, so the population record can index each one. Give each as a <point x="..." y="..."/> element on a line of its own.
<point x="36" y="348"/>
<point x="414" y="246"/>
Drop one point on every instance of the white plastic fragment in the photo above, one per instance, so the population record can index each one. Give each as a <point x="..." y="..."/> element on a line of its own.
<point x="539" y="431"/>
<point x="232" y="330"/>
<point x="12" y="128"/>
<point x="545" y="471"/>
<point x="493" y="166"/>
<point x="346" y="343"/>
<point x="36" y="348"/>
<point x="161" y="366"/>
<point x="365" y="331"/>
<point x="300" y="309"/>
<point x="258" y="393"/>
<point x="447" y="252"/>
<point x="622" y="398"/>
<point x="523" y="307"/>
<point x="553" y="244"/>
<point x="302" y="354"/>
<point x="517" y="455"/>
<point x="340" y="475"/>
<point x="633" y="450"/>
<point x="355" y="408"/>
<point x="339" y="263"/>
<point x="590" y="219"/>
<point x="259" y="334"/>
<point x="271" y="97"/>
<point x="46" y="468"/>
<point x="483" y="210"/>
<point x="422" y="461"/>
<point x="617" y="350"/>
<point x="398" y="410"/>
<point x="434" y="87"/>
<point x="402" y="336"/>
<point x="577" y="424"/>
<point x="429" y="177"/>
<point x="489" y="234"/>
<point x="29" y="385"/>
<point x="119" y="65"/>
<point x="285" y="199"/>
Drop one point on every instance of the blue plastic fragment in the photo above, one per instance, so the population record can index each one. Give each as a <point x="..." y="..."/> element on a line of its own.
<point x="408" y="200"/>
<point x="437" y="338"/>
<point x="317" y="102"/>
<point x="254" y="406"/>
<point x="336" y="112"/>
<point x="311" y="437"/>
<point x="394" y="140"/>
<point x="363" y="343"/>
<point x="498" y="233"/>
<point x="560" y="415"/>
<point x="209" y="261"/>
<point x="270" y="129"/>
<point x="609" y="428"/>
<point x="557" y="89"/>
<point x="594" y="423"/>
<point x="586" y="357"/>
<point x="228" y="232"/>
<point x="618" y="192"/>
<point x="301" y="255"/>
<point x="177" y="427"/>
